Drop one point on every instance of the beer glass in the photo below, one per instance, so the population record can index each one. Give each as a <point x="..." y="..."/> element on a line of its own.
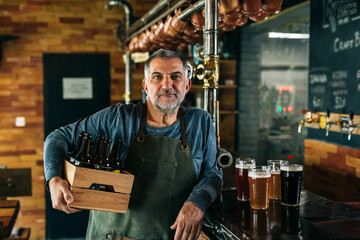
<point x="275" y="182"/>
<point x="259" y="179"/>
<point x="242" y="166"/>
<point x="291" y="176"/>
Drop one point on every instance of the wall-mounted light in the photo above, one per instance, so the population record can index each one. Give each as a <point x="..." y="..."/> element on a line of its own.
<point x="288" y="35"/>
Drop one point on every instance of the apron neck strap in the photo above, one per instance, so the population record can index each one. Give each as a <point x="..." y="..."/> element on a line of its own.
<point x="141" y="135"/>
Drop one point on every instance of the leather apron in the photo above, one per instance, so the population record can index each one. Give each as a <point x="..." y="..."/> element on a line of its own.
<point x="164" y="178"/>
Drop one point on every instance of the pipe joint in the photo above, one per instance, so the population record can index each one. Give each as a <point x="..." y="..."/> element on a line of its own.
<point x="224" y="158"/>
<point x="209" y="71"/>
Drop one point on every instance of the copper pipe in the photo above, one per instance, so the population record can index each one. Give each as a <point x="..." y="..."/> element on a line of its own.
<point x="272" y="6"/>
<point x="251" y="7"/>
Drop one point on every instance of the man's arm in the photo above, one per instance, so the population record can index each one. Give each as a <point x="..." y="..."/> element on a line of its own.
<point x="188" y="224"/>
<point x="61" y="195"/>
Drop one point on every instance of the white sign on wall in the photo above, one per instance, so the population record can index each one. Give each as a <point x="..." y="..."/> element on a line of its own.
<point x="77" y="88"/>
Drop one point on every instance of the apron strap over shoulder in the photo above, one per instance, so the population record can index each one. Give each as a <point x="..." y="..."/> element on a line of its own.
<point x="141" y="135"/>
<point x="184" y="145"/>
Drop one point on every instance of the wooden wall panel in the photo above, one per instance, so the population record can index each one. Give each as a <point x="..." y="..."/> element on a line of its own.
<point x="62" y="26"/>
<point x="332" y="170"/>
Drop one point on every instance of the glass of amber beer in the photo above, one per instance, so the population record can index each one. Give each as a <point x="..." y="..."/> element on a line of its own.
<point x="275" y="182"/>
<point x="291" y="176"/>
<point x="242" y="166"/>
<point x="259" y="181"/>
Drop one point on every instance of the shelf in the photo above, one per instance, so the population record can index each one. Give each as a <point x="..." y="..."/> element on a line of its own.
<point x="229" y="112"/>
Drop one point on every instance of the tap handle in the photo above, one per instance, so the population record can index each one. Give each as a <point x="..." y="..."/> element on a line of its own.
<point x="351" y="115"/>
<point x="328" y="113"/>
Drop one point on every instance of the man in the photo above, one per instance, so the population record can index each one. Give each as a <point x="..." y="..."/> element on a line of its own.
<point x="169" y="149"/>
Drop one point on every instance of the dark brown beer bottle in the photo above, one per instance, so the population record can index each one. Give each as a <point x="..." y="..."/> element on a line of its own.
<point x="95" y="155"/>
<point x="104" y="162"/>
<point x="115" y="156"/>
<point x="85" y="158"/>
<point x="78" y="161"/>
<point x="78" y="144"/>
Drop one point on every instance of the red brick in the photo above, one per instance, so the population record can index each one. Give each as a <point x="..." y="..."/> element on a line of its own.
<point x="332" y="164"/>
<point x="36" y="59"/>
<point x="4" y="7"/>
<point x="71" y="20"/>
<point x="39" y="3"/>
<point x="5" y="22"/>
<point x="16" y="153"/>
<point x="336" y="157"/>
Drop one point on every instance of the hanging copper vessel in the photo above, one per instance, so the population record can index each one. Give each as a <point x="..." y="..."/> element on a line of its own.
<point x="198" y="21"/>
<point x="177" y="25"/>
<point x="272" y="6"/>
<point x="251" y="7"/>
<point x="261" y="17"/>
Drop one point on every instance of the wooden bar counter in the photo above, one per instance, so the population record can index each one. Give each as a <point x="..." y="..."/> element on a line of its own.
<point x="315" y="218"/>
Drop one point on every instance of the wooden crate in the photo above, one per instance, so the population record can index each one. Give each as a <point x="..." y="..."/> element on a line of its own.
<point x="80" y="180"/>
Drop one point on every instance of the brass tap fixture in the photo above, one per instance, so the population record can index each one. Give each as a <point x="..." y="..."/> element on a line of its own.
<point x="307" y="119"/>
<point x="209" y="71"/>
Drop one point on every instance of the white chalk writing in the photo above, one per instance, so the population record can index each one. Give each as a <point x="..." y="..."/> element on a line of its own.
<point x="318" y="78"/>
<point x="317" y="102"/>
<point x="340" y="102"/>
<point x="342" y="45"/>
<point x="317" y="90"/>
<point x="339" y="75"/>
<point x="338" y="84"/>
<point x="340" y="92"/>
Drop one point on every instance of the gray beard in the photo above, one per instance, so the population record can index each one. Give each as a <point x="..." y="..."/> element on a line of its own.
<point x="167" y="107"/>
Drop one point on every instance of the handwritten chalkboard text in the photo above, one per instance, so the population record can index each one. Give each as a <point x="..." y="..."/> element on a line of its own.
<point x="317" y="78"/>
<point x="342" y="45"/>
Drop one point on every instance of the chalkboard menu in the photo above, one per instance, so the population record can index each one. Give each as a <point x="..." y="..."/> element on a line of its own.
<point x="334" y="71"/>
<point x="334" y="67"/>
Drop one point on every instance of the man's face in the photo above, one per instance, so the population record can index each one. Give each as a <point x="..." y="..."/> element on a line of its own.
<point x="166" y="84"/>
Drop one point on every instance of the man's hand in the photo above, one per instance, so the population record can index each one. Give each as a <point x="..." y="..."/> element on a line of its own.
<point x="61" y="195"/>
<point x="188" y="223"/>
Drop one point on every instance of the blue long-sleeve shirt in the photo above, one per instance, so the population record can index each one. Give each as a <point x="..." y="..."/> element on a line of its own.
<point x="123" y="121"/>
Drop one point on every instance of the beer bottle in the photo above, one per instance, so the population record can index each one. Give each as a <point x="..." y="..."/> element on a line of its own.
<point x="72" y="155"/>
<point x="78" y="161"/>
<point x="104" y="163"/>
<point x="115" y="156"/>
<point x="95" y="155"/>
<point x="85" y="158"/>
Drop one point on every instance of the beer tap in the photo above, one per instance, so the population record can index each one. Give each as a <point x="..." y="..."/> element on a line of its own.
<point x="351" y="126"/>
<point x="307" y="119"/>
<point x="328" y="123"/>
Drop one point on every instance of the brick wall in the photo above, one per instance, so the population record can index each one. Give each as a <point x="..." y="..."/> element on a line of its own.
<point x="332" y="171"/>
<point x="57" y="26"/>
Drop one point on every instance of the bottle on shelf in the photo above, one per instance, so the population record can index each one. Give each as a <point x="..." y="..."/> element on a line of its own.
<point x="72" y="155"/>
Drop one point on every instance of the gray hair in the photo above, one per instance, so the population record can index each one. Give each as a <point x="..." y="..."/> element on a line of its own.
<point x="165" y="54"/>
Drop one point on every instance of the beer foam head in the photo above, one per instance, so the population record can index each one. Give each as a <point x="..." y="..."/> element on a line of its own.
<point x="256" y="174"/>
<point x="292" y="168"/>
<point x="245" y="165"/>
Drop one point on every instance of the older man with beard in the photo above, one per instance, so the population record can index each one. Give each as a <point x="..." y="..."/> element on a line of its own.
<point x="171" y="151"/>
